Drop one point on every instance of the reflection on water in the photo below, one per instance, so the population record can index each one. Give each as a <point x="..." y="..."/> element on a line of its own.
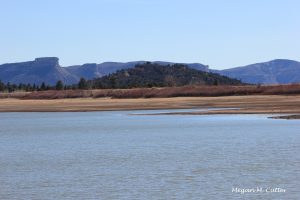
<point x="114" y="155"/>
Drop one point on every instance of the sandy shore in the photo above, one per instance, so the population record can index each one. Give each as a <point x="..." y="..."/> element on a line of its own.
<point x="261" y="104"/>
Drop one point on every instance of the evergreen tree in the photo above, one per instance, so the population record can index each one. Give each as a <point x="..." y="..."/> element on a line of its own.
<point x="21" y="87"/>
<point x="2" y="86"/>
<point x="28" y="88"/>
<point x="9" y="87"/>
<point x="82" y="84"/>
<point x="216" y="82"/>
<point x="34" y="87"/>
<point x="59" y="85"/>
<point x="43" y="86"/>
<point x="14" y="87"/>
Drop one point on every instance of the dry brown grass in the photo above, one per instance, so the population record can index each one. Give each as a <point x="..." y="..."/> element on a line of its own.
<point x="186" y="91"/>
<point x="17" y="95"/>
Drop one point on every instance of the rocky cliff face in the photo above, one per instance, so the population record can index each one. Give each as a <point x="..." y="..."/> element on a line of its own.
<point x="40" y="70"/>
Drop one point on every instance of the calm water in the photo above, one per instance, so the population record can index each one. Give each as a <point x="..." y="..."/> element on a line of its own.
<point x="113" y="155"/>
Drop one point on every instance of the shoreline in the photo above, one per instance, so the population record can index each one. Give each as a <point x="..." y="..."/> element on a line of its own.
<point x="252" y="104"/>
<point x="288" y="117"/>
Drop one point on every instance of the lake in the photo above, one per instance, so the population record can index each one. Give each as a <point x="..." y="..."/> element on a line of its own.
<point x="116" y="155"/>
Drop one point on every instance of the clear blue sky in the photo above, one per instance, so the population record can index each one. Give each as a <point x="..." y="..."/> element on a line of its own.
<point x="220" y="33"/>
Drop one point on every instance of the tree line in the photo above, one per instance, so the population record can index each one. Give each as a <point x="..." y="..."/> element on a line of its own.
<point x="9" y="87"/>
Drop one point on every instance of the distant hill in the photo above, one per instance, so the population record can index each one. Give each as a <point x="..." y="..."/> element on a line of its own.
<point x="157" y="75"/>
<point x="40" y="70"/>
<point x="278" y="71"/>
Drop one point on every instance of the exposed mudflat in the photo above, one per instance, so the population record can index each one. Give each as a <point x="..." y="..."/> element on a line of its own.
<point x="254" y="104"/>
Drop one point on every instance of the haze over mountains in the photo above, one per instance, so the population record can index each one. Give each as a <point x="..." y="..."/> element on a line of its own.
<point x="48" y="70"/>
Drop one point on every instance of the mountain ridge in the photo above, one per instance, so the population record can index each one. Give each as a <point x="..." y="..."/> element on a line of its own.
<point x="277" y="71"/>
<point x="48" y="70"/>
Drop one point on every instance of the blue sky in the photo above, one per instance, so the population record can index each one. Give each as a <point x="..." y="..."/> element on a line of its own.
<point x="219" y="33"/>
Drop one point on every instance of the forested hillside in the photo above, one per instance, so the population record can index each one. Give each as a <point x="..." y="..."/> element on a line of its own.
<point x="156" y="75"/>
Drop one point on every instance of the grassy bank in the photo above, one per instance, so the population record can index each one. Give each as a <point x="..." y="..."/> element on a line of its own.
<point x="186" y="91"/>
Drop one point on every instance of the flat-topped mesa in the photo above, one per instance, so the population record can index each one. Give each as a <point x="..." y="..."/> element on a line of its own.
<point x="47" y="61"/>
